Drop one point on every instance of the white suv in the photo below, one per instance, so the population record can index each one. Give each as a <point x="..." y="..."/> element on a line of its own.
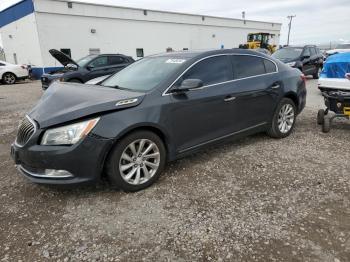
<point x="10" y="73"/>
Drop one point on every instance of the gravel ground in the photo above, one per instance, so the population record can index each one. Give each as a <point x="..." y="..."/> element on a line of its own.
<point x="256" y="199"/>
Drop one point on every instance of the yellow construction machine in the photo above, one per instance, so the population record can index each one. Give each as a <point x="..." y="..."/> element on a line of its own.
<point x="259" y="40"/>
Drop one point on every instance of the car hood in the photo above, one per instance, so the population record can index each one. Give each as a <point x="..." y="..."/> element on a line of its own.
<point x="62" y="58"/>
<point x="97" y="80"/>
<point x="64" y="102"/>
<point x="287" y="60"/>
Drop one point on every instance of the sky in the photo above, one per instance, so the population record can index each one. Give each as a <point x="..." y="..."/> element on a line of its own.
<point x="316" y="22"/>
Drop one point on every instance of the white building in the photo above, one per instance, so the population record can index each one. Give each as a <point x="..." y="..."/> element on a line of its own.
<point x="32" y="27"/>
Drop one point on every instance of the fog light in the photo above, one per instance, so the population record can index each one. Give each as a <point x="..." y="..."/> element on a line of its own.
<point x="57" y="173"/>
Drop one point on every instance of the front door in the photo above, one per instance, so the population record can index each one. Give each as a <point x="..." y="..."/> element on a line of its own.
<point x="202" y="115"/>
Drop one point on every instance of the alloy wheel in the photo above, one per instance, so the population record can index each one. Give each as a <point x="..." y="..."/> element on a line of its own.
<point x="139" y="161"/>
<point x="285" y="118"/>
<point x="9" y="79"/>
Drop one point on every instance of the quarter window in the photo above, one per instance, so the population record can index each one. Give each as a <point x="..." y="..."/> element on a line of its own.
<point x="246" y="66"/>
<point x="211" y="71"/>
<point x="269" y="66"/>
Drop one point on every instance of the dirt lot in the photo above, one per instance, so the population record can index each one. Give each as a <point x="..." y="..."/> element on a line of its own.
<point x="257" y="199"/>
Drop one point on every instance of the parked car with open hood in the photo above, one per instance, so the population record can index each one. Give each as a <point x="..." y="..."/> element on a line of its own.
<point x="158" y="109"/>
<point x="308" y="59"/>
<point x="10" y="73"/>
<point x="86" y="68"/>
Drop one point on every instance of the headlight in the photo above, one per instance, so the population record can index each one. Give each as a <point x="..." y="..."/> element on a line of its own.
<point x="291" y="63"/>
<point x="70" y="134"/>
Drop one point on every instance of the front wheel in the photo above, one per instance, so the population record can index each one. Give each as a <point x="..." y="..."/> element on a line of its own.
<point x="137" y="161"/>
<point x="283" y="120"/>
<point x="9" y="78"/>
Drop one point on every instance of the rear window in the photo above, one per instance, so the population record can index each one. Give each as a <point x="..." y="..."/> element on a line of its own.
<point x="246" y="66"/>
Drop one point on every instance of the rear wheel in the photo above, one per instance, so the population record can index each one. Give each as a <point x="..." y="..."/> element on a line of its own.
<point x="74" y="80"/>
<point x="137" y="161"/>
<point x="9" y="78"/>
<point x="320" y="116"/>
<point x="283" y="120"/>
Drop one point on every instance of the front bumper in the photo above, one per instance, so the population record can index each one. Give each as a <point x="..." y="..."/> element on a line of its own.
<point x="76" y="164"/>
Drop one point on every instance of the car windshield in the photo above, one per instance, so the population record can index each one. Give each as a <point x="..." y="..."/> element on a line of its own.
<point x="287" y="53"/>
<point x="144" y="74"/>
<point x="343" y="46"/>
<point x="85" y="60"/>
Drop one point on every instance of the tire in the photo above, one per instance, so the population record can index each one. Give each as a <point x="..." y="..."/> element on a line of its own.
<point x="316" y="74"/>
<point x="277" y="128"/>
<point x="121" y="157"/>
<point x="9" y="78"/>
<point x="74" y="80"/>
<point x="320" y="116"/>
<point x="326" y="126"/>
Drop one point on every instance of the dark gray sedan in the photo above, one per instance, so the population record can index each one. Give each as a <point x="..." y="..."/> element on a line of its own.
<point x="156" y="110"/>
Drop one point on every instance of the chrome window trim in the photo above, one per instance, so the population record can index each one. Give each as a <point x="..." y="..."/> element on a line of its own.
<point x="165" y="93"/>
<point x="35" y="129"/>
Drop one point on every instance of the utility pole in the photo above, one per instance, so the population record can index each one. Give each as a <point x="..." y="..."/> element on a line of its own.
<point x="290" y="17"/>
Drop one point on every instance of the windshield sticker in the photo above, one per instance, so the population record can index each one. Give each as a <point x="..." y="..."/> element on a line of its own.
<point x="175" y="61"/>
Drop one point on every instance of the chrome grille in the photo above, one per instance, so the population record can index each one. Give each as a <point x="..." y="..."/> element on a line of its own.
<point x="25" y="131"/>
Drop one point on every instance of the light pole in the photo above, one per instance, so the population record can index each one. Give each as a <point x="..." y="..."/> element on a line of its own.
<point x="290" y="17"/>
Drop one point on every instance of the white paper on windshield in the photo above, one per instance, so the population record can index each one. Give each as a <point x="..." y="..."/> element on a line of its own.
<point x="175" y="61"/>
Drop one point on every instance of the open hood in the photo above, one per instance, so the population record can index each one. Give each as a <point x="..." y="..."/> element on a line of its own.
<point x="62" y="58"/>
<point x="63" y="102"/>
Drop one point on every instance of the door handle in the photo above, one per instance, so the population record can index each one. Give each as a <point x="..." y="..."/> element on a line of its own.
<point x="229" y="98"/>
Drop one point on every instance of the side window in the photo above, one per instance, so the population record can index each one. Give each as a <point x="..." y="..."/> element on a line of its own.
<point x="116" y="60"/>
<point x="307" y="52"/>
<point x="312" y="51"/>
<point x="212" y="70"/>
<point x="100" y="62"/>
<point x="269" y="66"/>
<point x="246" y="66"/>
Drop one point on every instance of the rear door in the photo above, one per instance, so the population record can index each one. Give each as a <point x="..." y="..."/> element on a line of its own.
<point x="117" y="63"/>
<point x="203" y="115"/>
<point x="256" y="88"/>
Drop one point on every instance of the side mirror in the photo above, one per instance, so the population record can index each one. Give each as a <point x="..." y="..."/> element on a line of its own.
<point x="90" y="67"/>
<point x="189" y="84"/>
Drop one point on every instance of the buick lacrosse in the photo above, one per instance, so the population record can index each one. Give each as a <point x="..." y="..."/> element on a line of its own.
<point x="156" y="110"/>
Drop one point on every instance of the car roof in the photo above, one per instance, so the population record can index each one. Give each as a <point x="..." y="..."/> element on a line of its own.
<point x="203" y="53"/>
